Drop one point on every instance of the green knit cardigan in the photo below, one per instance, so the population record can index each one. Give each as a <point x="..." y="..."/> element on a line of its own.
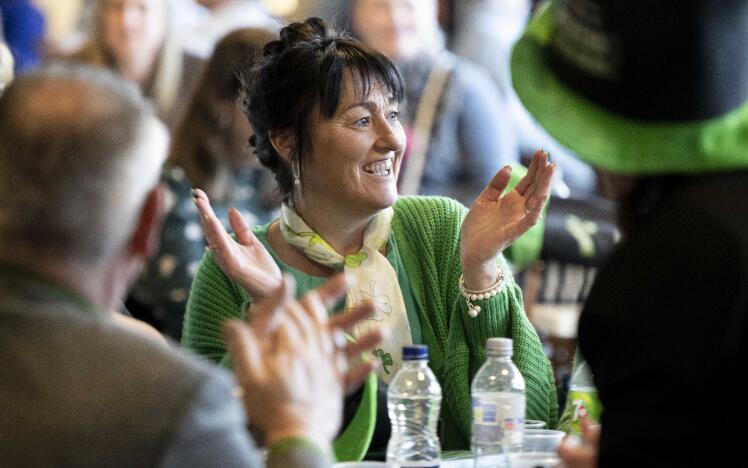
<point x="427" y="232"/>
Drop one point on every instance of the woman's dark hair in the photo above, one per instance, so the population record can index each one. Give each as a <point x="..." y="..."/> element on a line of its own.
<point x="304" y="69"/>
<point x="203" y="141"/>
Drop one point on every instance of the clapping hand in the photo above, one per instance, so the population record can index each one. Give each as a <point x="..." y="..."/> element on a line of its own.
<point x="293" y="362"/>
<point x="581" y="454"/>
<point x="495" y="220"/>
<point x="245" y="260"/>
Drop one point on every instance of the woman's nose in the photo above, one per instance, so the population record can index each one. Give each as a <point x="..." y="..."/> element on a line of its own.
<point x="391" y="136"/>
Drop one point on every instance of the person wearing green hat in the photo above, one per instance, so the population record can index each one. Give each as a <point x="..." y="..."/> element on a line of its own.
<point x="654" y="94"/>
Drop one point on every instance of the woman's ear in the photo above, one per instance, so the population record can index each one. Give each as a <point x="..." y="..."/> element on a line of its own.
<point x="284" y="143"/>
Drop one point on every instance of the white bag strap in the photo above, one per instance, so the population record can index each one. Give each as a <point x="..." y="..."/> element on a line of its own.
<point x="424" y="123"/>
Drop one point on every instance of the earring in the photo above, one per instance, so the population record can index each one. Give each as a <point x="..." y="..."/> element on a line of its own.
<point x="296" y="189"/>
<point x="295" y="172"/>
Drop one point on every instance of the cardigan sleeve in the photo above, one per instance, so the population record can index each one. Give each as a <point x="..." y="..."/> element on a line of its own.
<point x="214" y="298"/>
<point x="430" y="227"/>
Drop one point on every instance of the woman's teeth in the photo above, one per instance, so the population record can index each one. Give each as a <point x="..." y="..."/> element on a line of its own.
<point x="381" y="168"/>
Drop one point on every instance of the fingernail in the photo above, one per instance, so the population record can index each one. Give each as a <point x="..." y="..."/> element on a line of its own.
<point x="194" y="193"/>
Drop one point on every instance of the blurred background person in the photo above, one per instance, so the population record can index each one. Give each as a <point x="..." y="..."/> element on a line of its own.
<point x="484" y="32"/>
<point x="6" y="66"/>
<point x="459" y="132"/>
<point x="65" y="29"/>
<point x="220" y="17"/>
<point x="23" y="27"/>
<point x="209" y="150"/>
<point x="134" y="38"/>
<point x="662" y="111"/>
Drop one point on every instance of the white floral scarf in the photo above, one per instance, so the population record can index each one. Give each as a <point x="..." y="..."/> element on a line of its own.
<point x="371" y="278"/>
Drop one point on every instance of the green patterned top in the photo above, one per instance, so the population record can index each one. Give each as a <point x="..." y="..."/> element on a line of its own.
<point x="427" y="233"/>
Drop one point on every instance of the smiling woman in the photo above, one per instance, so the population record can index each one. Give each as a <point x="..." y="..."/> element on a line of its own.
<point x="360" y="147"/>
<point x="324" y="109"/>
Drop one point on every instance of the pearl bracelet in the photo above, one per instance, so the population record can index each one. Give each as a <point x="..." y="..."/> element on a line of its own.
<point x="469" y="295"/>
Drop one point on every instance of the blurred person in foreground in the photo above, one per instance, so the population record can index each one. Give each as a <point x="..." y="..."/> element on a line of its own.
<point x="80" y="208"/>
<point x="209" y="150"/>
<point x="324" y="111"/>
<point x="655" y="94"/>
<point x="134" y="38"/>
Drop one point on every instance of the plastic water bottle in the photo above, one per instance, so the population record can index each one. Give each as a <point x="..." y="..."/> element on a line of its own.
<point x="413" y="401"/>
<point x="498" y="406"/>
<point x="582" y="400"/>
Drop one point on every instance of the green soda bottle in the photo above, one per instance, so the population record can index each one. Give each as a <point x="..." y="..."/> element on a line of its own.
<point x="582" y="399"/>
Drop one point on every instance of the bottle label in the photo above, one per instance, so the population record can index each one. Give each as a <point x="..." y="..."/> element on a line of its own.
<point x="498" y="418"/>
<point x="582" y="402"/>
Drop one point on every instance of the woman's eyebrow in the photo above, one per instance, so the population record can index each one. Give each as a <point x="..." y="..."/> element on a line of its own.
<point x="368" y="104"/>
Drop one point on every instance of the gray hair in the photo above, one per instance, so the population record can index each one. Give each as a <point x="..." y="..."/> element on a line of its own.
<point x="75" y="162"/>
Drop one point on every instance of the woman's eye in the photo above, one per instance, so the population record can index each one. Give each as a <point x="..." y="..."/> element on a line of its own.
<point x="362" y="122"/>
<point x="393" y="116"/>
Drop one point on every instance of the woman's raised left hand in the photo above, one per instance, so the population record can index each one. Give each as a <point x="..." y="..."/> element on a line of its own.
<point x="495" y="220"/>
<point x="245" y="260"/>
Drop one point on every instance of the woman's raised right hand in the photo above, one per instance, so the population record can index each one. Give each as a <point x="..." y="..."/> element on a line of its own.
<point x="244" y="260"/>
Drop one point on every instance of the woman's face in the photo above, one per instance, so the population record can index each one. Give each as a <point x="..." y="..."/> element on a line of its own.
<point x="398" y="28"/>
<point x="356" y="154"/>
<point x="134" y="28"/>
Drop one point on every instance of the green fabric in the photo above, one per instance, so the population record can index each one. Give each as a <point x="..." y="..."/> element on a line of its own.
<point x="612" y="141"/>
<point x="353" y="443"/>
<point x="427" y="231"/>
<point x="286" y="450"/>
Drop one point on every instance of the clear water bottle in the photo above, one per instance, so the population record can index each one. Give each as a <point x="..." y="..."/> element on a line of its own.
<point x="413" y="401"/>
<point x="582" y="400"/>
<point x="498" y="406"/>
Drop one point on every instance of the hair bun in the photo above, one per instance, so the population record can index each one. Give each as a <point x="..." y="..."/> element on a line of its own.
<point x="312" y="32"/>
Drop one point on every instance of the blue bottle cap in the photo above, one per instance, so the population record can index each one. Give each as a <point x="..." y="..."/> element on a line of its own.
<point x="415" y="352"/>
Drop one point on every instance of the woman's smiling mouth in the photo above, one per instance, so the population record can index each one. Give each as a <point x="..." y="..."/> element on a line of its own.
<point x="379" y="168"/>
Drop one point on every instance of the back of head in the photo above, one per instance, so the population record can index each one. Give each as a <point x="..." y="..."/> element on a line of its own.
<point x="205" y="140"/>
<point x="79" y="151"/>
<point x="302" y="73"/>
